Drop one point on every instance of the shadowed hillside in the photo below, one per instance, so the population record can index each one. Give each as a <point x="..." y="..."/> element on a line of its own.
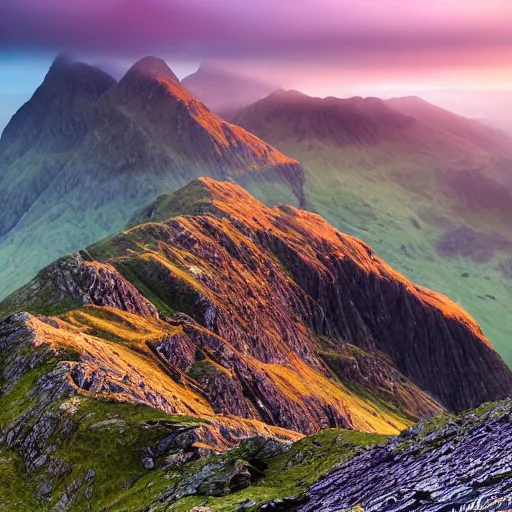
<point x="429" y="190"/>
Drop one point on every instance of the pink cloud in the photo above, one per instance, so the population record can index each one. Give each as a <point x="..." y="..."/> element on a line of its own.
<point x="263" y="28"/>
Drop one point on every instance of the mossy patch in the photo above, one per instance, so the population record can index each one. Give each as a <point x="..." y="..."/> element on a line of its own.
<point x="16" y="487"/>
<point x="291" y="473"/>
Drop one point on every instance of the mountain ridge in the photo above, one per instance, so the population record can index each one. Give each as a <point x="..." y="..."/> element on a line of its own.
<point x="408" y="188"/>
<point x="197" y="347"/>
<point x="103" y="150"/>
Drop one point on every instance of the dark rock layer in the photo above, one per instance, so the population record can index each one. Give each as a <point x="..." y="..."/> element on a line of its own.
<point x="467" y="462"/>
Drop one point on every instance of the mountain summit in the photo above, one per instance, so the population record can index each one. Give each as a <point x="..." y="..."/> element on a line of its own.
<point x="224" y="91"/>
<point x="153" y="67"/>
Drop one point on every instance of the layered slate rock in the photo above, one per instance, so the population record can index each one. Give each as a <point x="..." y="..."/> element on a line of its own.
<point x="460" y="462"/>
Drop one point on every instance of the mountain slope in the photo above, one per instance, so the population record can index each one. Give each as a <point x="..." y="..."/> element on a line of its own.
<point x="84" y="154"/>
<point x="251" y="275"/>
<point x="429" y="199"/>
<point x="441" y="119"/>
<point x="215" y="319"/>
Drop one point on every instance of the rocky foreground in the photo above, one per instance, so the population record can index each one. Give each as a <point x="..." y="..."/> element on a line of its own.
<point x="444" y="464"/>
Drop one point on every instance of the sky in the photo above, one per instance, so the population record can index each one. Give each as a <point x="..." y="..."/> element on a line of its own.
<point x="443" y="50"/>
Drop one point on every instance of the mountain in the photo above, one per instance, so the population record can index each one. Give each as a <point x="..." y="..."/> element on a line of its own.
<point x="224" y="91"/>
<point x="443" y="120"/>
<point x="215" y="320"/>
<point x="86" y="153"/>
<point x="430" y="191"/>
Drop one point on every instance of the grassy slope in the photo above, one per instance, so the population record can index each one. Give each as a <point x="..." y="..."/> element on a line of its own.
<point x="358" y="192"/>
<point x="107" y="441"/>
<point x="107" y="437"/>
<point x="46" y="233"/>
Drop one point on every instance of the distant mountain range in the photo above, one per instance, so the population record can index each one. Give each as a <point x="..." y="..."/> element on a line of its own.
<point x="224" y="91"/>
<point x="242" y="321"/>
<point x="85" y="153"/>
<point x="431" y="191"/>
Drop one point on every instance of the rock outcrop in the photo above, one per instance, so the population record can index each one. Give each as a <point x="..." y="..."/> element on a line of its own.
<point x="461" y="462"/>
<point x="287" y="274"/>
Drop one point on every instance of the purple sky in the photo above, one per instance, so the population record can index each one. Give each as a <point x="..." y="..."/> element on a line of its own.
<point x="324" y="47"/>
<point x="284" y="29"/>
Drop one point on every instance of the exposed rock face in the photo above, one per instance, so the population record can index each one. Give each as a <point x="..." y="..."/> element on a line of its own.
<point x="317" y="280"/>
<point x="403" y="175"/>
<point x="76" y="280"/>
<point x="244" y="321"/>
<point x="98" y="151"/>
<point x="271" y="313"/>
<point x="375" y="372"/>
<point x="465" y="462"/>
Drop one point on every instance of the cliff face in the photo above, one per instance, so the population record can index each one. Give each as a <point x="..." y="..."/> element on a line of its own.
<point x="86" y="153"/>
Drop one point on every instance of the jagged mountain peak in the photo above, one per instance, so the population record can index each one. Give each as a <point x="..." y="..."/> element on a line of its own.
<point x="194" y="199"/>
<point x="55" y="118"/>
<point x="76" y="74"/>
<point x="84" y="135"/>
<point x="280" y="301"/>
<point x="150" y="79"/>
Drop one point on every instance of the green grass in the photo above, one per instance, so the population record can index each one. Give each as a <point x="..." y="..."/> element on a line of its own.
<point x="16" y="487"/>
<point x="111" y="439"/>
<point x="292" y="473"/>
<point x="18" y="399"/>
<point x="392" y="200"/>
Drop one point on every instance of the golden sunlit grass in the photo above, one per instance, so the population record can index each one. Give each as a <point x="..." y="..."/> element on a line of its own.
<point x="132" y="363"/>
<point x="220" y="261"/>
<point x="299" y="381"/>
<point x="117" y="342"/>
